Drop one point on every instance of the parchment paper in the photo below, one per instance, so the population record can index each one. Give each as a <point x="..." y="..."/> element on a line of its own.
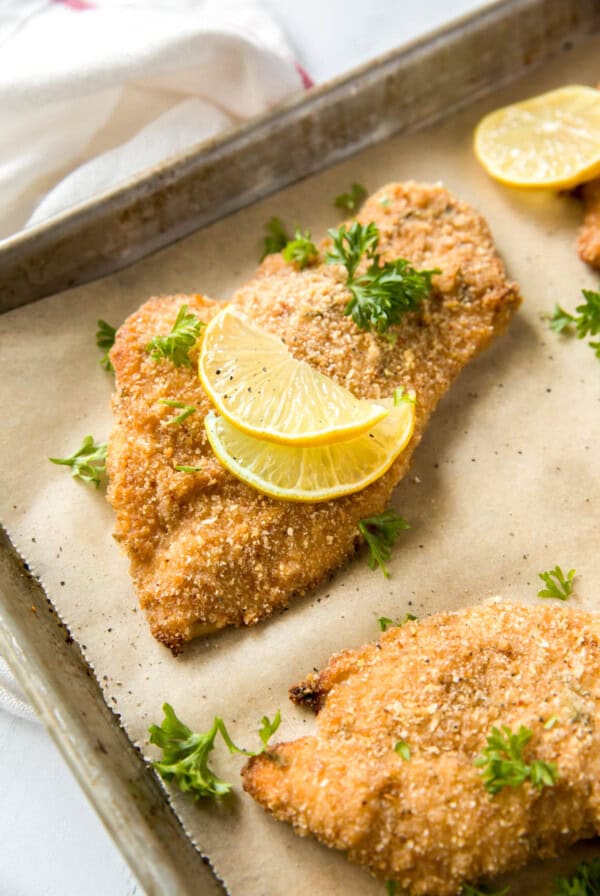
<point x="504" y="485"/>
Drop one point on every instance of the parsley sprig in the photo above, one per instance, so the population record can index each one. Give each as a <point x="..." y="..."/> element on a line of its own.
<point x="585" y="880"/>
<point x="105" y="339"/>
<point x="275" y="238"/>
<point x="267" y="730"/>
<point x="350" y="244"/>
<point x="556" y="584"/>
<point x="385" y="622"/>
<point x="186" y="410"/>
<point x="301" y="251"/>
<point x="586" y="321"/>
<point x="88" y="463"/>
<point x="185" y="755"/>
<point x="176" y="345"/>
<point x="503" y="764"/>
<point x="350" y="202"/>
<point x="384" y="292"/>
<point x="380" y="532"/>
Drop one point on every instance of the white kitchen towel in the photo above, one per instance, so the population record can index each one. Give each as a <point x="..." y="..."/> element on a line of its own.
<point x="92" y="93"/>
<point x="12" y="698"/>
<point x="95" y="91"/>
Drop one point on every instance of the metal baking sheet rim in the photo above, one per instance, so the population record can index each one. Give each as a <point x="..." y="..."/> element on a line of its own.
<point x="403" y="90"/>
<point x="132" y="804"/>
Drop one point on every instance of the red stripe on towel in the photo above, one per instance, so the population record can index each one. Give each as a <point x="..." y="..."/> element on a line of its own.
<point x="77" y="5"/>
<point x="307" y="81"/>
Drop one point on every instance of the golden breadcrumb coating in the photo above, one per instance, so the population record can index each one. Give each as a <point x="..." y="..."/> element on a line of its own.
<point x="207" y="550"/>
<point x="588" y="240"/>
<point x="440" y="685"/>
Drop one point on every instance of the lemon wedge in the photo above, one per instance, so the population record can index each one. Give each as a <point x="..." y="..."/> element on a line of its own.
<point x="258" y="386"/>
<point x="314" y="472"/>
<point x="552" y="140"/>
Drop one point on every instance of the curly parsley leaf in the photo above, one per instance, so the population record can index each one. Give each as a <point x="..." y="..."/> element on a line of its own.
<point x="585" y="880"/>
<point x="561" y="320"/>
<point x="268" y="728"/>
<point x="586" y="321"/>
<point x="543" y="774"/>
<point x="403" y="750"/>
<point x="300" y="251"/>
<point x="385" y="622"/>
<point x="503" y="765"/>
<point x="469" y="890"/>
<point x="350" y="202"/>
<point x="185" y="754"/>
<point x="88" y="462"/>
<point x="186" y="410"/>
<point x="176" y="345"/>
<point x="105" y="339"/>
<point x="380" y="532"/>
<point x="184" y="468"/>
<point x="382" y="295"/>
<point x="556" y="584"/>
<point x="350" y="244"/>
<point x="384" y="292"/>
<point x="275" y="238"/>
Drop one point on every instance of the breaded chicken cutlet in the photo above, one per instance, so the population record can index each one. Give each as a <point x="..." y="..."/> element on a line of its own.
<point x="425" y="819"/>
<point x="588" y="240"/>
<point x="207" y="550"/>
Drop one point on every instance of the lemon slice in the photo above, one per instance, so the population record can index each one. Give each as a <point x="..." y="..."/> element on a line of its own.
<point x="315" y="472"/>
<point x="262" y="389"/>
<point x="552" y="140"/>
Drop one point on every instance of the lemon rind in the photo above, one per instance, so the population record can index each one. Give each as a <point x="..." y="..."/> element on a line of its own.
<point x="589" y="172"/>
<point x="583" y="175"/>
<point x="297" y="495"/>
<point x="305" y="439"/>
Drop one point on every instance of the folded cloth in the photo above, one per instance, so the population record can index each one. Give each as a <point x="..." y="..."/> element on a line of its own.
<point x="12" y="698"/>
<point x="95" y="91"/>
<point x="92" y="93"/>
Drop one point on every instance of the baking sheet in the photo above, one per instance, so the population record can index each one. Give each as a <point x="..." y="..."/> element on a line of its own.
<point x="503" y="486"/>
<point x="422" y="81"/>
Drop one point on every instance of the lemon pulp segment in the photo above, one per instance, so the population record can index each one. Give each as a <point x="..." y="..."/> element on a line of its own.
<point x="551" y="140"/>
<point x="315" y="472"/>
<point x="254" y="381"/>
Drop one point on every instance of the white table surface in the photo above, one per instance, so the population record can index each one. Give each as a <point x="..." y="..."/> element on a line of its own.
<point x="52" y="842"/>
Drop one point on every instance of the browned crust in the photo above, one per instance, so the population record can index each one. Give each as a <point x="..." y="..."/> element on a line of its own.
<point x="208" y="551"/>
<point x="308" y="693"/>
<point x="588" y="240"/>
<point x="440" y="685"/>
